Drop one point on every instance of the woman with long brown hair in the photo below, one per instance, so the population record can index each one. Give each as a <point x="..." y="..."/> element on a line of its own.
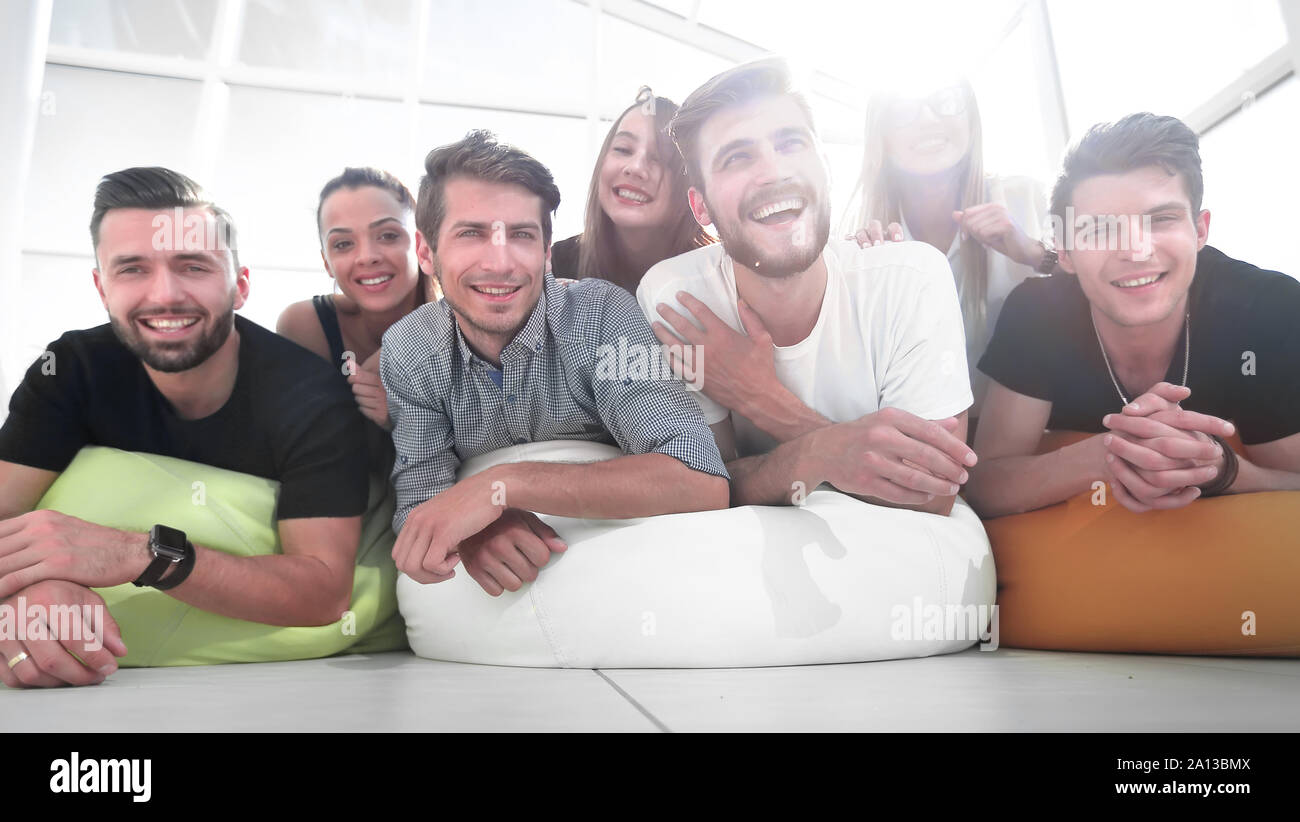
<point x="637" y="211"/>
<point x="923" y="176"/>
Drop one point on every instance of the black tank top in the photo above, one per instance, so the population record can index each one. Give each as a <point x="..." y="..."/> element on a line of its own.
<point x="379" y="443"/>
<point x="329" y="323"/>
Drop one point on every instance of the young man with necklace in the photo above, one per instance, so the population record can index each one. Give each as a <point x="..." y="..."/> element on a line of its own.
<point x="1159" y="345"/>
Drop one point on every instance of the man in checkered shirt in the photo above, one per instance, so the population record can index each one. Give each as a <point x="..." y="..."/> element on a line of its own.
<point x="512" y="356"/>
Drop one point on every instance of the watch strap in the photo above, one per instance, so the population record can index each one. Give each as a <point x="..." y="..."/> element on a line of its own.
<point x="154" y="572"/>
<point x="180" y="571"/>
<point x="169" y="547"/>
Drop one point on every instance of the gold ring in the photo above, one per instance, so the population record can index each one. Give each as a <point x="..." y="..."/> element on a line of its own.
<point x="17" y="659"/>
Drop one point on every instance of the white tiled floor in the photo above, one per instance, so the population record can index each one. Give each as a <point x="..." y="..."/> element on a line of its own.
<point x="1003" y="690"/>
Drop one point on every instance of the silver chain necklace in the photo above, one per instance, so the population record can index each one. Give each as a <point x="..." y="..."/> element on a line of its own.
<point x="1187" y="352"/>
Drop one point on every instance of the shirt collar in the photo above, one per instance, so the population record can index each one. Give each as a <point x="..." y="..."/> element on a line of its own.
<point x="529" y="338"/>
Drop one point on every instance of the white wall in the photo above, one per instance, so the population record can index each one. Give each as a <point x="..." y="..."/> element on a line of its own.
<point x="266" y="102"/>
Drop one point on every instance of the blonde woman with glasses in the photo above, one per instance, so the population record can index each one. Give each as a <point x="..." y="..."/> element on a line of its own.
<point x="923" y="178"/>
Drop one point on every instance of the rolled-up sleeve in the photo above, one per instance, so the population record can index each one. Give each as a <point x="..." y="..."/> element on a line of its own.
<point x="643" y="406"/>
<point x="426" y="460"/>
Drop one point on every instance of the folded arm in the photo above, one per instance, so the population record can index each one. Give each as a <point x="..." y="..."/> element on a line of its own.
<point x="1270" y="466"/>
<point x="1011" y="478"/>
<point x="310" y="583"/>
<point x="637" y="485"/>
<point x="890" y="458"/>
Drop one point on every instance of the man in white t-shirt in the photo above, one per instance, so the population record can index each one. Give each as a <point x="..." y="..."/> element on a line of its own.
<point x="818" y="362"/>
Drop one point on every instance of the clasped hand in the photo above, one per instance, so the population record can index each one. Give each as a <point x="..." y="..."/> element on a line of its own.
<point x="502" y="548"/>
<point x="1158" y="453"/>
<point x="894" y="456"/>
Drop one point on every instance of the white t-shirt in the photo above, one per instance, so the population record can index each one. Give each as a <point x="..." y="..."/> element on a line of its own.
<point x="1024" y="200"/>
<point x="889" y="333"/>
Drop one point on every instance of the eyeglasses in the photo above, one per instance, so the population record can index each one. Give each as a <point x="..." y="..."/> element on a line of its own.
<point x="948" y="102"/>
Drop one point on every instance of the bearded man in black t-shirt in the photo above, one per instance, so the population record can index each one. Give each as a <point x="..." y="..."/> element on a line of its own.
<point x="1158" y="344"/>
<point x="176" y="373"/>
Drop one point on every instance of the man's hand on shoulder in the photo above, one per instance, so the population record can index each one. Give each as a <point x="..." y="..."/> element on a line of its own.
<point x="80" y="650"/>
<point x="731" y="368"/>
<point x="43" y="545"/>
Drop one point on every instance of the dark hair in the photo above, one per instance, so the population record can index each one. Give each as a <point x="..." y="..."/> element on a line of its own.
<point x="598" y="256"/>
<point x="769" y="76"/>
<point x="1136" y="141"/>
<point x="154" y="187"/>
<point x="354" y="178"/>
<point x="478" y="155"/>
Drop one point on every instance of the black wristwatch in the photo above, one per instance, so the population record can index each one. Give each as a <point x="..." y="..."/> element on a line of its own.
<point x="171" y="550"/>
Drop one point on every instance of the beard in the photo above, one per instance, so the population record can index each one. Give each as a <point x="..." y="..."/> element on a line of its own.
<point x="171" y="358"/>
<point x="491" y="323"/>
<point x="740" y="245"/>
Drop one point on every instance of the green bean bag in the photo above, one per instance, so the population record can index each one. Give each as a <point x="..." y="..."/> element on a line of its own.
<point x="235" y="513"/>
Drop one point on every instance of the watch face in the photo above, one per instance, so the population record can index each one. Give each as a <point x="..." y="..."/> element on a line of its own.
<point x="167" y="541"/>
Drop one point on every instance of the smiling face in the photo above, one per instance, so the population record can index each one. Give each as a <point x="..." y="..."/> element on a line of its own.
<point x="921" y="139"/>
<point x="765" y="186"/>
<point x="173" y="308"/>
<point x="1145" y="280"/>
<point x="368" y="248"/>
<point x="490" y="259"/>
<point x="633" y="190"/>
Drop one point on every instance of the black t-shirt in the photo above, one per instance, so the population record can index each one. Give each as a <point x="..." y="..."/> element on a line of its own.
<point x="1243" y="318"/>
<point x="564" y="257"/>
<point x="567" y="254"/>
<point x="379" y="443"/>
<point x="289" y="418"/>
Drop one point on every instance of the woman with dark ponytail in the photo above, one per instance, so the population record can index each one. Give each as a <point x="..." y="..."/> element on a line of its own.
<point x="365" y="220"/>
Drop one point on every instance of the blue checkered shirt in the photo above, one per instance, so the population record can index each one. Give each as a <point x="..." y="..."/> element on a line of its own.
<point x="445" y="408"/>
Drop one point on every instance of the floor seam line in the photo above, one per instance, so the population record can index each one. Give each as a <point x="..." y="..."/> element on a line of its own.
<point x="653" y="719"/>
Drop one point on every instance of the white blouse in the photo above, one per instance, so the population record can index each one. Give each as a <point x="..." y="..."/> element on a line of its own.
<point x="1025" y="201"/>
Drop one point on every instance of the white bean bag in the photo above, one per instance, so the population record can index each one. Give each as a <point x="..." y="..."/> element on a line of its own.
<point x="835" y="580"/>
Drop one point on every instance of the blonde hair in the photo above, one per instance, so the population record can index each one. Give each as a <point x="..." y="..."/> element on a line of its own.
<point x="877" y="196"/>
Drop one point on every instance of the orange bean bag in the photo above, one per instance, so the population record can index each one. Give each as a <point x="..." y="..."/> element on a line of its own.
<point x="1218" y="577"/>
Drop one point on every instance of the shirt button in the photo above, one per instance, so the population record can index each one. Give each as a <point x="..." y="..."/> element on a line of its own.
<point x="510" y="397"/>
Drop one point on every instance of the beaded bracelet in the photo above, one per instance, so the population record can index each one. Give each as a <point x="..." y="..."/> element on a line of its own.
<point x="1225" y="478"/>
